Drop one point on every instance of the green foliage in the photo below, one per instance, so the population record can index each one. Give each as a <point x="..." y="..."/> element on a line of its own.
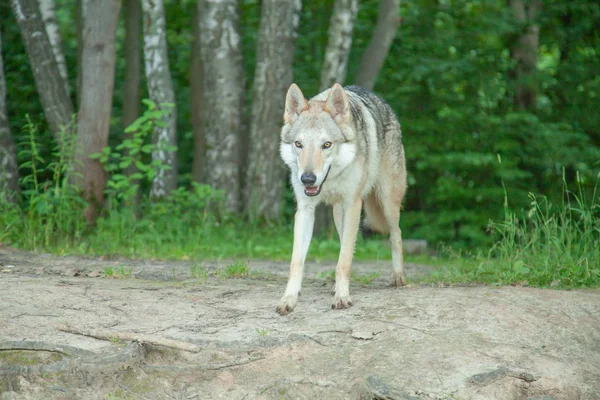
<point x="120" y="186"/>
<point x="52" y="210"/>
<point x="548" y="246"/>
<point x="556" y="246"/>
<point x="448" y="77"/>
<point x="191" y="223"/>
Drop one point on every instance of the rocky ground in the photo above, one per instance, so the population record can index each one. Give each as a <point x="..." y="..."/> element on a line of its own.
<point x="76" y="328"/>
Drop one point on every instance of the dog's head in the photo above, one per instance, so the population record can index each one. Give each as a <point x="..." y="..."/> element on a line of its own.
<point x="317" y="136"/>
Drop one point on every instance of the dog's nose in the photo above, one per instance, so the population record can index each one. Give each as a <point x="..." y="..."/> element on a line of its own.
<point x="308" y="178"/>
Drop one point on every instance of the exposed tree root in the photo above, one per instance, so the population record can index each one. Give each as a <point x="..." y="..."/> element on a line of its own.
<point x="134" y="337"/>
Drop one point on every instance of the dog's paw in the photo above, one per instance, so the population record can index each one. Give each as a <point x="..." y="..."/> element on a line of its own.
<point x="341" y="302"/>
<point x="399" y="280"/>
<point x="287" y="304"/>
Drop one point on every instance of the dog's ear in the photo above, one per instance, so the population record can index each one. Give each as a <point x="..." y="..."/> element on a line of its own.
<point x="337" y="104"/>
<point x="295" y="103"/>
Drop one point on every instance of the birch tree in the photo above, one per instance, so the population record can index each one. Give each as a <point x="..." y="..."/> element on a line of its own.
<point x="222" y="113"/>
<point x="50" y="85"/>
<point x="525" y="50"/>
<point x="334" y="68"/>
<point x="160" y="88"/>
<point x="196" y="101"/>
<point x="338" y="43"/>
<point x="133" y="72"/>
<point x="9" y="172"/>
<point x="48" y="11"/>
<point x="93" y="118"/>
<point x="388" y="22"/>
<point x="272" y="78"/>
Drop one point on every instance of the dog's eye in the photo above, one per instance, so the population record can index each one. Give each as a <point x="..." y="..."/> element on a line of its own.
<point x="326" y="145"/>
<point x="298" y="144"/>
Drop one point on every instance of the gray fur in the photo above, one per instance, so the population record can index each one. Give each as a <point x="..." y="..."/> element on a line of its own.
<point x="351" y="141"/>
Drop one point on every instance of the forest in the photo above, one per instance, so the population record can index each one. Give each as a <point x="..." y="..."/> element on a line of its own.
<point x="151" y="128"/>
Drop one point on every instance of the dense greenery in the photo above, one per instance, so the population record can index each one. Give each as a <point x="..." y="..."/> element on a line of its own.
<point x="469" y="148"/>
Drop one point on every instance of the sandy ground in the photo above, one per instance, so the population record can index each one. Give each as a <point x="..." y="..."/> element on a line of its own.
<point x="220" y="338"/>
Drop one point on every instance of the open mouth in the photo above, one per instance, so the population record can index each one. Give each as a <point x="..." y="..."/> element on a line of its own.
<point x="312" y="190"/>
<point x="315" y="190"/>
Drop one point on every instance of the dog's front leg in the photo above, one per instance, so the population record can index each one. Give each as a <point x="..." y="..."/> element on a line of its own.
<point x="303" y="230"/>
<point x="351" y="221"/>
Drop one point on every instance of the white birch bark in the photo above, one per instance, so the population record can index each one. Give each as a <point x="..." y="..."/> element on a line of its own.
<point x="334" y="70"/>
<point x="48" y="10"/>
<point x="160" y="87"/>
<point x="338" y="43"/>
<point x="223" y="103"/>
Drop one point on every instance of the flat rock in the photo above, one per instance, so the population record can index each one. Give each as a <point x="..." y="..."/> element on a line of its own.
<point x="477" y="343"/>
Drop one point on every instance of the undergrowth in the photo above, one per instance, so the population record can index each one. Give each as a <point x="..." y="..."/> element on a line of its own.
<point x="547" y="245"/>
<point x="188" y="224"/>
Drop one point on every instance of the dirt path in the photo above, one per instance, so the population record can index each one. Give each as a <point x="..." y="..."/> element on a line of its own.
<point x="214" y="337"/>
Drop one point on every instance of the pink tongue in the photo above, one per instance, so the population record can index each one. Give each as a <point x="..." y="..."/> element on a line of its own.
<point x="311" y="189"/>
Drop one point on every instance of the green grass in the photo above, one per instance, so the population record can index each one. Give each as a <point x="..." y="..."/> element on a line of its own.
<point x="262" y="332"/>
<point x="118" y="272"/>
<point x="548" y="246"/>
<point x="235" y="270"/>
<point x="231" y="239"/>
<point x="327" y="275"/>
<point x="364" y="279"/>
<point x="198" y="272"/>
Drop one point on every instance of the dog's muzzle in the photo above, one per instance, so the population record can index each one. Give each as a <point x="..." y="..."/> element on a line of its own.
<point x="311" y="190"/>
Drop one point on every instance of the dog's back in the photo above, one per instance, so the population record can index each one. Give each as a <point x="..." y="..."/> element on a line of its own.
<point x="379" y="131"/>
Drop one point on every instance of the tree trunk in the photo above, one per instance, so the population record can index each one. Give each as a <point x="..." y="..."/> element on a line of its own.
<point x="388" y="21"/>
<point x="81" y="13"/>
<point x="272" y="78"/>
<point x="196" y="102"/>
<point x="55" y="100"/>
<point x="524" y="52"/>
<point x="161" y="92"/>
<point x="338" y="43"/>
<point x="48" y="11"/>
<point x="133" y="74"/>
<point x="93" y="119"/>
<point x="223" y="96"/>
<point x="9" y="171"/>
<point x="334" y="70"/>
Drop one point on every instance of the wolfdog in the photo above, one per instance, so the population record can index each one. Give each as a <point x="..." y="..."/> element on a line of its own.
<point x="343" y="147"/>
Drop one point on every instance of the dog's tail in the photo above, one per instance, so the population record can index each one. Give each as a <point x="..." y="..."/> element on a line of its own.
<point x="374" y="218"/>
